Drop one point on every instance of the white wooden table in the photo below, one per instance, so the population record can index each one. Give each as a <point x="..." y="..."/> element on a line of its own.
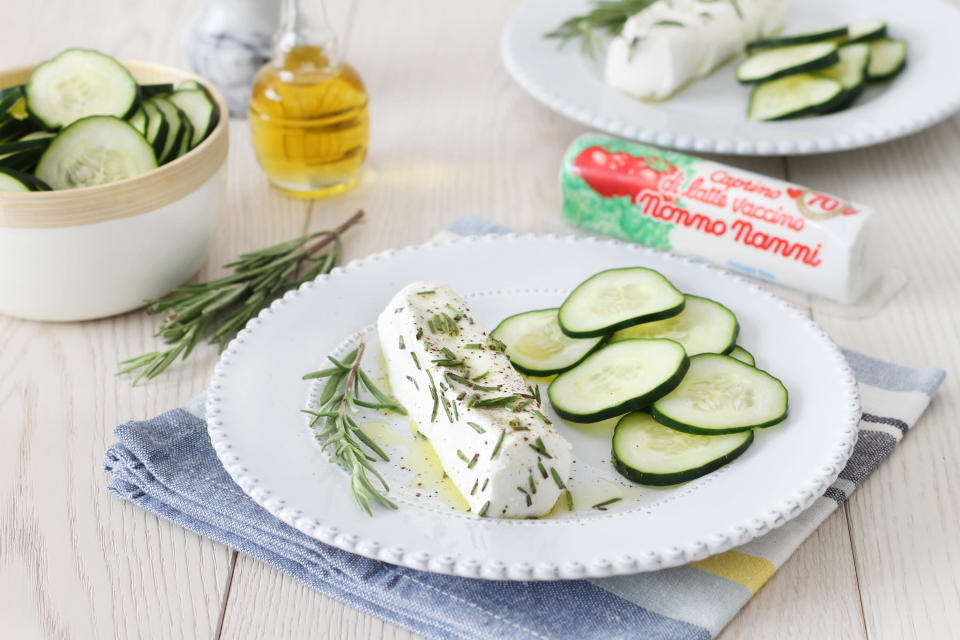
<point x="452" y="134"/>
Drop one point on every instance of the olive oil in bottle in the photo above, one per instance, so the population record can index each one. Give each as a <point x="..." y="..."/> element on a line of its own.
<point x="309" y="119"/>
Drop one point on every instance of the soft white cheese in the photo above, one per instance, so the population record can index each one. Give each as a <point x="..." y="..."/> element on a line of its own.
<point x="496" y="456"/>
<point x="671" y="42"/>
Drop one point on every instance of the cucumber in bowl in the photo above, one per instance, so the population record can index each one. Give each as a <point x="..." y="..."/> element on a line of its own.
<point x="647" y="452"/>
<point x="537" y="346"/>
<point x="622" y="376"/>
<point x="95" y="150"/>
<point x="80" y="83"/>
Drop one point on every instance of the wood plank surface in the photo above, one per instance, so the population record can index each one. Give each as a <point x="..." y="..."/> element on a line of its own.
<point x="451" y="135"/>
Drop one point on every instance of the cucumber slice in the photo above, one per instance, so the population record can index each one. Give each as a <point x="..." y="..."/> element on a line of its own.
<point x="13" y="181"/>
<point x="200" y="109"/>
<point x="22" y="160"/>
<point x="187" y="135"/>
<point x="9" y="97"/>
<point x="647" y="452"/>
<point x="866" y="30"/>
<point x="189" y="84"/>
<point x="622" y="376"/>
<point x="158" y="89"/>
<point x="32" y="182"/>
<point x="617" y="299"/>
<point x="887" y="58"/>
<point x="157" y="128"/>
<point x="851" y="72"/>
<point x="771" y="64"/>
<point x="537" y="347"/>
<point x="175" y="134"/>
<point x="95" y="150"/>
<point x="704" y="326"/>
<point x="743" y="355"/>
<point x="794" y="96"/>
<point x="720" y="394"/>
<point x="139" y="121"/>
<point x="80" y="83"/>
<point x="824" y="35"/>
<point x="7" y="148"/>
<point x="14" y="129"/>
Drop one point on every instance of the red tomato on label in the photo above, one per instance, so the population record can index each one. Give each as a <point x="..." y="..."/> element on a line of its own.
<point x="615" y="174"/>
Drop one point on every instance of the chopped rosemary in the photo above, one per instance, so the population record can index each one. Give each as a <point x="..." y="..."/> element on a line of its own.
<point x="535" y="390"/>
<point x="337" y="400"/>
<point x="400" y="341"/>
<point x="477" y="427"/>
<point x="496" y="447"/>
<point x="520" y="405"/>
<point x="447" y="362"/>
<point x="483" y="509"/>
<point x="543" y="470"/>
<point x="526" y="495"/>
<point x="442" y="323"/>
<point x="514" y="422"/>
<point x="569" y="500"/>
<point x="602" y="505"/>
<point x="446" y="407"/>
<point x="415" y="385"/>
<point x="426" y="293"/>
<point x="557" y="479"/>
<point x="540" y="448"/>
<point x="481" y="376"/>
<point x="461" y="395"/>
<point x="419" y="333"/>
<point x="490" y="403"/>
<point x="415" y="360"/>
<point x="495" y="344"/>
<point x="475" y="484"/>
<point x="456" y="314"/>
<point x="463" y="456"/>
<point x="453" y="377"/>
<point x="472" y="345"/>
<point x="606" y="18"/>
<point x="485" y="483"/>
<point x="540" y="415"/>
<point x="473" y="461"/>
<point x="533" y="485"/>
<point x="435" y="396"/>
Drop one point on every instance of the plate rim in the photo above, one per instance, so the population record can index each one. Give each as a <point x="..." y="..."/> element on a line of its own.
<point x="707" y="545"/>
<point x="713" y="144"/>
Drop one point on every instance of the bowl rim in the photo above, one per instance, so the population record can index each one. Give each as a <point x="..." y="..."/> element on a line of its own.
<point x="131" y="196"/>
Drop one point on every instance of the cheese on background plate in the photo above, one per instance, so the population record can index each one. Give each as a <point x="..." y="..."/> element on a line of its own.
<point x="457" y="384"/>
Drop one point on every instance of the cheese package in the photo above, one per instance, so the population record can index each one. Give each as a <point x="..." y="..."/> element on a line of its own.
<point x="759" y="226"/>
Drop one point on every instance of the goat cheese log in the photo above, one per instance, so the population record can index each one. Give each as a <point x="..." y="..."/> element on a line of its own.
<point x="487" y="429"/>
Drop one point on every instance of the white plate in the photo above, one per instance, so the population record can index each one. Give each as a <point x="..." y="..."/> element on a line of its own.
<point x="265" y="445"/>
<point x="710" y="114"/>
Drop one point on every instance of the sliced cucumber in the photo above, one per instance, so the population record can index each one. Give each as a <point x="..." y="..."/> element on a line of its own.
<point x="9" y="97"/>
<point x="771" y="64"/>
<point x="34" y="183"/>
<point x="80" y="83"/>
<point x="200" y="109"/>
<point x="13" y="181"/>
<point x="537" y="347"/>
<point x="21" y="160"/>
<point x="95" y="150"/>
<point x="158" y="89"/>
<point x="187" y="136"/>
<point x="704" y="326"/>
<point x="23" y="145"/>
<point x="866" y="30"/>
<point x="14" y="129"/>
<point x="824" y="35"/>
<point x="720" y="394"/>
<point x="851" y="72"/>
<point x="617" y="299"/>
<point x="189" y="84"/>
<point x="620" y="377"/>
<point x="139" y="121"/>
<point x="742" y="355"/>
<point x="887" y="58"/>
<point x="794" y="96"/>
<point x="647" y="452"/>
<point x="157" y="128"/>
<point x="175" y="134"/>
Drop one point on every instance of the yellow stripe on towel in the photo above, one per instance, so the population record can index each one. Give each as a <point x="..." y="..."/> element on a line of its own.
<point x="750" y="571"/>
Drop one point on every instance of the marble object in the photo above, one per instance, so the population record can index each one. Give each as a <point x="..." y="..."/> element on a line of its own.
<point x="228" y="42"/>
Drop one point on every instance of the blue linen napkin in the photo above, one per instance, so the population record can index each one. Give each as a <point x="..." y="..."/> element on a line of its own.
<point x="167" y="466"/>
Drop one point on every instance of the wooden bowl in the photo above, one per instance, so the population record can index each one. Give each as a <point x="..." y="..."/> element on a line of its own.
<point x="97" y="251"/>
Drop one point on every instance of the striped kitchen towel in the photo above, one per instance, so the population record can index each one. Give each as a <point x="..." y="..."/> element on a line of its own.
<point x="167" y="466"/>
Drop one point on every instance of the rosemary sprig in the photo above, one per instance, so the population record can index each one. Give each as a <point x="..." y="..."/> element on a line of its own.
<point x="218" y="309"/>
<point x="605" y="19"/>
<point x="338" y="399"/>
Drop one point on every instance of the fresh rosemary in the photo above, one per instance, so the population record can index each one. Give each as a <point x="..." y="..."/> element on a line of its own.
<point x="220" y="308"/>
<point x="338" y="399"/>
<point x="604" y="20"/>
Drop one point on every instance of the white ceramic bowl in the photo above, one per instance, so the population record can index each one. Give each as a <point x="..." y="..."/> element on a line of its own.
<point x="97" y="251"/>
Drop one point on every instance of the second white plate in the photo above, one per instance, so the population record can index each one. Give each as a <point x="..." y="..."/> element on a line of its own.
<point x="264" y="443"/>
<point x="710" y="114"/>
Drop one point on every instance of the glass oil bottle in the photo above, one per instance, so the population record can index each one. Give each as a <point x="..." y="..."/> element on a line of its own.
<point x="309" y="117"/>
